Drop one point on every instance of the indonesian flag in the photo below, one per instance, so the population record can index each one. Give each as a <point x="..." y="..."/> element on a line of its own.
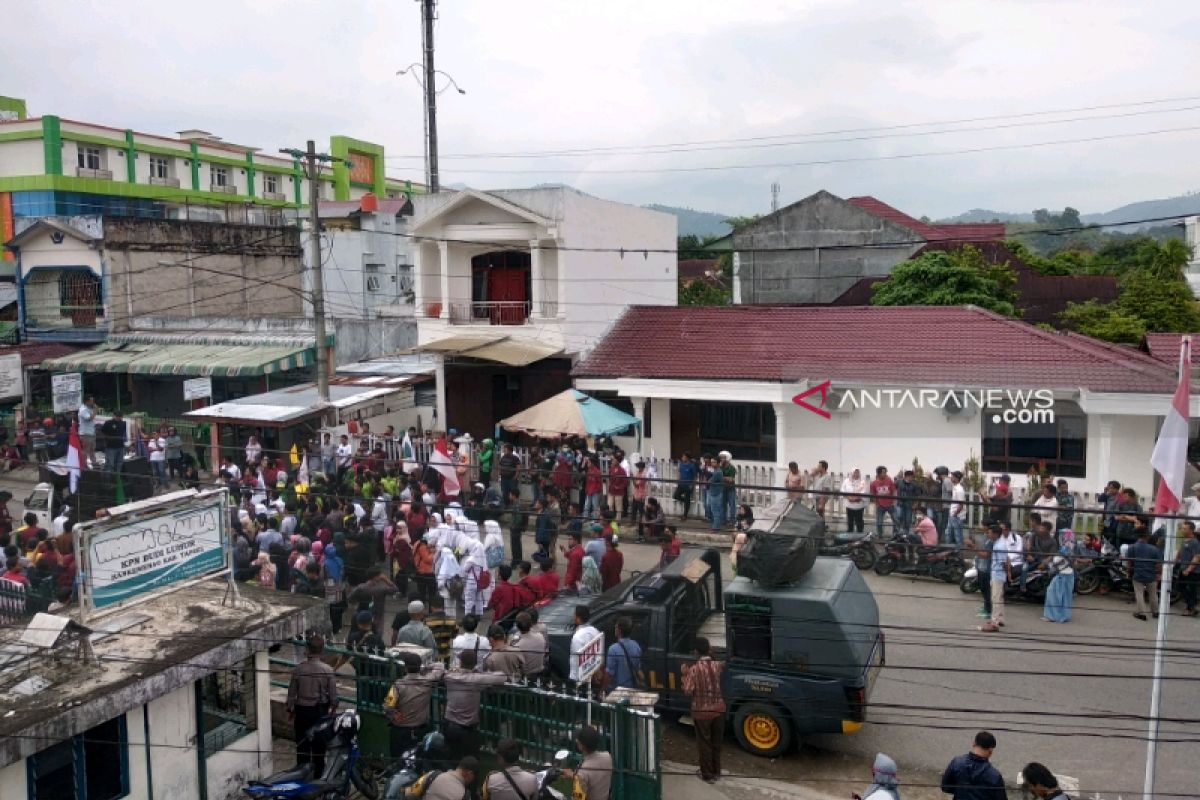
<point x="441" y="461"/>
<point x="1170" y="451"/>
<point x="74" y="457"/>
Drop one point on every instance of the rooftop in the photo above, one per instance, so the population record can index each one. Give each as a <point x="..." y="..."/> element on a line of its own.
<point x="931" y="231"/>
<point x="295" y="403"/>
<point x="976" y="348"/>
<point x="145" y="651"/>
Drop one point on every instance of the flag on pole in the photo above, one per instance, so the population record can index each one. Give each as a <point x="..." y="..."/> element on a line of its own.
<point x="74" y="457"/>
<point x="1170" y="451"/>
<point x="302" y="473"/>
<point x="440" y="460"/>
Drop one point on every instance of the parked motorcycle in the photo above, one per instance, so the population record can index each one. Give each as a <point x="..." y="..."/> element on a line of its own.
<point x="942" y="563"/>
<point x="343" y="767"/>
<point x="1036" y="584"/>
<point x="859" y="547"/>
<point x="1111" y="570"/>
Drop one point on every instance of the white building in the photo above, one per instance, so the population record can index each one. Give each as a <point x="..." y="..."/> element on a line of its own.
<point x="528" y="280"/>
<point x="711" y="379"/>
<point x="178" y="707"/>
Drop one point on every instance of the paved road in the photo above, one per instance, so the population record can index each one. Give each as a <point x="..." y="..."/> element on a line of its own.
<point x="1073" y="696"/>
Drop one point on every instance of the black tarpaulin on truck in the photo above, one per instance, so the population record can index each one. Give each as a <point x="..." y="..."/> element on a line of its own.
<point x="786" y="551"/>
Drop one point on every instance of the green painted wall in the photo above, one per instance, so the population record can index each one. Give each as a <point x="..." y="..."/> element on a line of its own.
<point x="343" y="148"/>
<point x="52" y="145"/>
<point x="13" y="105"/>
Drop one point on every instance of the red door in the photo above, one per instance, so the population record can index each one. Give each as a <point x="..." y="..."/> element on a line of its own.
<point x="506" y="296"/>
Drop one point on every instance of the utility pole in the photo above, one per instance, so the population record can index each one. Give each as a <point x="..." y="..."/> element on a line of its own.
<point x="774" y="197"/>
<point x="313" y="160"/>
<point x="431" y="147"/>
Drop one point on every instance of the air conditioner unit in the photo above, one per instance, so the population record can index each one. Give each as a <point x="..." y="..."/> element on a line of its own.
<point x="956" y="406"/>
<point x="372" y="283"/>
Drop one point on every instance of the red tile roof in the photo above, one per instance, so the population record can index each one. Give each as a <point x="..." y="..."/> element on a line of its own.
<point x="692" y="268"/>
<point x="34" y="353"/>
<point x="1165" y="347"/>
<point x="890" y="345"/>
<point x="932" y="232"/>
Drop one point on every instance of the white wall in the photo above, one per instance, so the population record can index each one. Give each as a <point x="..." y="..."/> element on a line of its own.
<point x="42" y="252"/>
<point x="250" y="757"/>
<point x="347" y="254"/>
<point x="20" y="158"/>
<point x="598" y="285"/>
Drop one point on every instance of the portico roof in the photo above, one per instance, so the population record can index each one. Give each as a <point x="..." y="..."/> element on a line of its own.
<point x="466" y="196"/>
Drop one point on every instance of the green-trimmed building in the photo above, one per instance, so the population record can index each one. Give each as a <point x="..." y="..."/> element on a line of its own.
<point x="51" y="166"/>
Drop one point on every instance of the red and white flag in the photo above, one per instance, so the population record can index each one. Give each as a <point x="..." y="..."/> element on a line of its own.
<point x="441" y="461"/>
<point x="1170" y="451"/>
<point x="74" y="457"/>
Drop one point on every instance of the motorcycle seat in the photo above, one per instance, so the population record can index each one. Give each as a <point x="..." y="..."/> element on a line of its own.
<point x="297" y="774"/>
<point x="847" y="538"/>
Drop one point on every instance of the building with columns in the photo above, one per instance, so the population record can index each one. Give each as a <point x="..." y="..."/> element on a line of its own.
<point x="861" y="387"/>
<point x="511" y="287"/>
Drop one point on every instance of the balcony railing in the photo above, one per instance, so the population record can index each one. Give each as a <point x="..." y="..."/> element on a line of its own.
<point x="498" y="312"/>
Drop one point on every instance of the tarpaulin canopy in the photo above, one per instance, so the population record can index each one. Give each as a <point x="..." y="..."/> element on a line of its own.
<point x="221" y="360"/>
<point x="570" y="413"/>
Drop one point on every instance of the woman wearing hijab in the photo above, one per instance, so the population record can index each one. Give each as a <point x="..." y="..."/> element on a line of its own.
<point x="334" y="574"/>
<point x="474" y="567"/>
<point x="591" y="582"/>
<point x="1060" y="592"/>
<point x="885" y="785"/>
<point x="855" y="489"/>
<point x="445" y="569"/>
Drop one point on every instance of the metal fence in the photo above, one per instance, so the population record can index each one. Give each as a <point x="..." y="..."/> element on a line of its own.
<point x="543" y="719"/>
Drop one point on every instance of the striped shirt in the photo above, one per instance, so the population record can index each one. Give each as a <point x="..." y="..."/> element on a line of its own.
<point x="702" y="682"/>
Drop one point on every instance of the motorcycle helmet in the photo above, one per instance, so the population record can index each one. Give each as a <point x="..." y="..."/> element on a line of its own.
<point x="434" y="743"/>
<point x="347" y="722"/>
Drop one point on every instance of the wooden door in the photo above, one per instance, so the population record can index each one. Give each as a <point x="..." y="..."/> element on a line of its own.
<point x="506" y="296"/>
<point x="685" y="428"/>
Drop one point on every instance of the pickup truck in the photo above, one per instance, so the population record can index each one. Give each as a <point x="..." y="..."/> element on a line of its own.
<point x="799" y="659"/>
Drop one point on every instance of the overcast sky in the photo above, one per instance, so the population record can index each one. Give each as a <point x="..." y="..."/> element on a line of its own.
<point x="558" y="74"/>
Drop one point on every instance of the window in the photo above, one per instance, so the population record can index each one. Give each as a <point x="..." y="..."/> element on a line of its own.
<point x="79" y="296"/>
<point x="228" y="709"/>
<point x="271" y="184"/>
<point x="746" y="430"/>
<point x="220" y="176"/>
<point x="89" y="157"/>
<point x="91" y="766"/>
<point x="160" y="167"/>
<point x="1017" y="447"/>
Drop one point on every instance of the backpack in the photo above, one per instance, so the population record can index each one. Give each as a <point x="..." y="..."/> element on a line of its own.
<point x="494" y="556"/>
<point x="483" y="578"/>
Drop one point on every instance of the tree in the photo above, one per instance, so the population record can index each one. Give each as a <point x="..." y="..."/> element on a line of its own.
<point x="699" y="292"/>
<point x="1103" y="321"/>
<point x="741" y="222"/>
<point x="949" y="278"/>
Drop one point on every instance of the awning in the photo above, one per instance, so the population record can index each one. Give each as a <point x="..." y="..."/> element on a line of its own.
<point x="505" y="350"/>
<point x="228" y="361"/>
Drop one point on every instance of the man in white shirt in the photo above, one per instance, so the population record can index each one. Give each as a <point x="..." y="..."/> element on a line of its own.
<point x="87" y="430"/>
<point x="1191" y="505"/>
<point x="584" y="633"/>
<point x="958" y="500"/>
<point x="345" y="452"/>
<point x="469" y="639"/>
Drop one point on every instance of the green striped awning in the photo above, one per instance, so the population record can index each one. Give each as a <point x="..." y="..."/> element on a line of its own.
<point x="190" y="360"/>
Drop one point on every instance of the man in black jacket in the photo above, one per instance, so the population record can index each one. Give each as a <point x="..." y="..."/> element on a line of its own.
<point x="113" y="435"/>
<point x="971" y="776"/>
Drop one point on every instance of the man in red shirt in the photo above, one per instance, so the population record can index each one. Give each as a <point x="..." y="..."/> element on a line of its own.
<point x="702" y="683"/>
<point x="611" y="564"/>
<point x="618" y="482"/>
<point x="504" y="597"/>
<point x="27" y="534"/>
<point x="574" y="555"/>
<point x="547" y="580"/>
<point x="15" y="573"/>
<point x="884" y="490"/>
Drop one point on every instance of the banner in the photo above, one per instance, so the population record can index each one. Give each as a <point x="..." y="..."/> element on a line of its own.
<point x="131" y="557"/>
<point x="12" y="384"/>
<point x="67" y="391"/>
<point x="587" y="655"/>
<point x="197" y="389"/>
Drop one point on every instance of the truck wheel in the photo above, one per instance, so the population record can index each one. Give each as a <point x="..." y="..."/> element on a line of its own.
<point x="762" y="730"/>
<point x="886" y="565"/>
<point x="863" y="558"/>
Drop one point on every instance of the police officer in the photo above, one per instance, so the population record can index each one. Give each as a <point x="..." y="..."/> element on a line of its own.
<point x="510" y="782"/>
<point x="312" y="695"/>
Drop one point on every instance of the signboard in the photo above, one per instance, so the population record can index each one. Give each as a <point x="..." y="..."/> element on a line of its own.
<point x="67" y="391"/>
<point x="363" y="169"/>
<point x="197" y="388"/>
<point x="12" y="383"/>
<point x="136" y="554"/>
<point x="587" y="653"/>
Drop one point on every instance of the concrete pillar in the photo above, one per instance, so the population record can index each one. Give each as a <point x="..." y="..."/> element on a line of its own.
<point x="418" y="285"/>
<point x="639" y="411"/>
<point x="560" y="256"/>
<point x="214" y="441"/>
<point x="440" y="410"/>
<point x="444" y="252"/>
<point x="537" y="280"/>
<point x="781" y="458"/>
<point x="1104" y="467"/>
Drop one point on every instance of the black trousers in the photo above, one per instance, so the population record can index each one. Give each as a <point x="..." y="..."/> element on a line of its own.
<point x="854" y="520"/>
<point x="514" y="545"/>
<point x="985" y="588"/>
<point x="309" y="751"/>
<point x="1188" y="585"/>
<point x="405" y="738"/>
<point x="461" y="740"/>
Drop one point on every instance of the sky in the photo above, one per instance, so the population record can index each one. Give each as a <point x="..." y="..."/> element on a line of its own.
<point x="855" y="94"/>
